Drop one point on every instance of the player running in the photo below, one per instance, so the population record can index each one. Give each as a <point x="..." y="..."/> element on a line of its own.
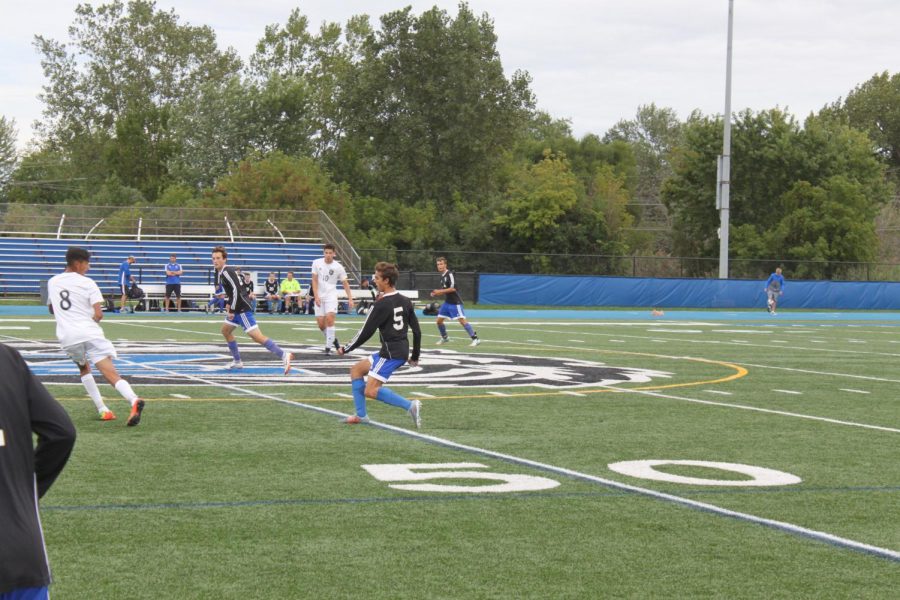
<point x="76" y="304"/>
<point x="392" y="315"/>
<point x="240" y="312"/>
<point x="452" y="308"/>
<point x="774" y="288"/>
<point x="326" y="273"/>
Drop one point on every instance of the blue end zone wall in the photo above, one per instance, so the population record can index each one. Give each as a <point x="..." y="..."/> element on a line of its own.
<point x="554" y="290"/>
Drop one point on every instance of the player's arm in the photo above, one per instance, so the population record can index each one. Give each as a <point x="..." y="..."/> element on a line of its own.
<point x="314" y="285"/>
<point x="417" y="337"/>
<point x="54" y="429"/>
<point x="349" y="292"/>
<point x="98" y="312"/>
<point x="378" y="314"/>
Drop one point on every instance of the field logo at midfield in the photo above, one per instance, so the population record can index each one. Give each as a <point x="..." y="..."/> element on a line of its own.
<point x="167" y="363"/>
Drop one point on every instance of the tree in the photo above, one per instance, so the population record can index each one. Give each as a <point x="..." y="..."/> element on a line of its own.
<point x="874" y="107"/>
<point x="781" y="174"/>
<point x="8" y="156"/>
<point x="430" y="112"/>
<point x="111" y="97"/>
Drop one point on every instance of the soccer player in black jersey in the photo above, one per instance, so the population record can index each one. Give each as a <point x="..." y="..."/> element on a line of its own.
<point x="392" y="315"/>
<point x="26" y="473"/>
<point x="240" y="312"/>
<point x="452" y="308"/>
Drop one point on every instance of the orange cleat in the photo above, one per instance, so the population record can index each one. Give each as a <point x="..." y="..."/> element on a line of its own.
<point x="136" y="409"/>
<point x="107" y="415"/>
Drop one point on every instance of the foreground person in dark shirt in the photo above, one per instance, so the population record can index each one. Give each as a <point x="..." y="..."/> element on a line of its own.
<point x="26" y="473"/>
<point x="392" y="315"/>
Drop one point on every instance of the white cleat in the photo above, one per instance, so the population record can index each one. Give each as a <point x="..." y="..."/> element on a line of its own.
<point x="415" y="411"/>
<point x="236" y="364"/>
<point x="286" y="359"/>
<point x="475" y="342"/>
<point x="443" y="340"/>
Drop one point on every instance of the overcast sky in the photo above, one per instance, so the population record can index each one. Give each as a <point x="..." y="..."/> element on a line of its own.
<point x="592" y="61"/>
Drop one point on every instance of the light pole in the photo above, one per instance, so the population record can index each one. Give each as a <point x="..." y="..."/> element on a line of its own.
<point x="723" y="189"/>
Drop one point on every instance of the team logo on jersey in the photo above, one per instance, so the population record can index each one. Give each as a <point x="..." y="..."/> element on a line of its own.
<point x="203" y="364"/>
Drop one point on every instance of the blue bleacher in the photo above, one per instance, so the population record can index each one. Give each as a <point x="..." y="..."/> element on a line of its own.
<point x="25" y="262"/>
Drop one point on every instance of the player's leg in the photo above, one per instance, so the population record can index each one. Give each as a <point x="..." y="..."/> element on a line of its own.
<point x="467" y="326"/>
<point x="78" y="354"/>
<point x="358" y="385"/>
<point x="102" y="353"/>
<point x="380" y="371"/>
<point x="331" y="340"/>
<point x="269" y="344"/>
<point x="228" y="333"/>
<point x="442" y="329"/>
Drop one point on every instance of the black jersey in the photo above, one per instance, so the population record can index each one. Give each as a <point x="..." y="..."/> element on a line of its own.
<point x="272" y="287"/>
<point x="248" y="288"/>
<point x="26" y="407"/>
<point x="235" y="294"/>
<point x="449" y="281"/>
<point x="392" y="315"/>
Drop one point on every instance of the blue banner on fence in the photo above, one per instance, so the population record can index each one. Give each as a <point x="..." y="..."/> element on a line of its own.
<point x="555" y="290"/>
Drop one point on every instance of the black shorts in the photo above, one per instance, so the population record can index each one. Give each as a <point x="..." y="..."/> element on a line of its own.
<point x="173" y="287"/>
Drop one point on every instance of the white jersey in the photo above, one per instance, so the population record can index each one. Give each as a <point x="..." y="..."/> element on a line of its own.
<point x="73" y="297"/>
<point x="327" y="276"/>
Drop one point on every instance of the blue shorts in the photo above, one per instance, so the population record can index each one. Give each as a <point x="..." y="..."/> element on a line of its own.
<point x="451" y="311"/>
<point x="32" y="593"/>
<point x="244" y="319"/>
<point x="383" y="368"/>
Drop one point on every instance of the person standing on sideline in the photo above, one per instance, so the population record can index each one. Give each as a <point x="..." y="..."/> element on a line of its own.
<point x="392" y="315"/>
<point x="452" y="308"/>
<point x="173" y="282"/>
<point x="240" y="312"/>
<point x="774" y="288"/>
<point x="272" y="297"/>
<point x="290" y="293"/>
<point x="26" y="473"/>
<point x="326" y="273"/>
<point x="125" y="279"/>
<point x="76" y="304"/>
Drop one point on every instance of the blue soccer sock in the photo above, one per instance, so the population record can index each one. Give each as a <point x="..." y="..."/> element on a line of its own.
<point x="442" y="329"/>
<point x="359" y="396"/>
<point x="391" y="397"/>
<point x="235" y="353"/>
<point x="470" y="331"/>
<point x="272" y="347"/>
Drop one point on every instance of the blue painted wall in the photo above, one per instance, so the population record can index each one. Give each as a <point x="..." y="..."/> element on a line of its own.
<point x="554" y="290"/>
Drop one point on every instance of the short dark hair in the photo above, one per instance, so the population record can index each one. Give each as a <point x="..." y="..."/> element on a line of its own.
<point x="329" y="246"/>
<point x="221" y="250"/>
<point x="388" y="271"/>
<point x="76" y="254"/>
<point x="440" y="259"/>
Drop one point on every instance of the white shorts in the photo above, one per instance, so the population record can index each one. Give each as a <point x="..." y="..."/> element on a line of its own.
<point x="91" y="350"/>
<point x="329" y="305"/>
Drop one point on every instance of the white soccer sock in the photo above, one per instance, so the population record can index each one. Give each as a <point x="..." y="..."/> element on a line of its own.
<point x="124" y="388"/>
<point x="329" y="337"/>
<point x="93" y="391"/>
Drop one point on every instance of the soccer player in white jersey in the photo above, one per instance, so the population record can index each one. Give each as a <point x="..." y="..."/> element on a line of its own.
<point x="75" y="302"/>
<point x="326" y="273"/>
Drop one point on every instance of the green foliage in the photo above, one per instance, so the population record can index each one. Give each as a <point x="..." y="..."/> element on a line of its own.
<point x="874" y="107"/>
<point x="277" y="181"/>
<point x="781" y="175"/>
<point x="43" y="177"/>
<point x="108" y="101"/>
<point x="8" y="155"/>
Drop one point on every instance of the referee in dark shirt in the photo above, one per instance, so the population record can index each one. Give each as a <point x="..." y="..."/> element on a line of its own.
<point x="26" y="473"/>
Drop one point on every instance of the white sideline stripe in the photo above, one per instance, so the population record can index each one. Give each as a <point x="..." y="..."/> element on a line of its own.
<point x="577" y="341"/>
<point x="501" y="394"/>
<point x="570" y="393"/>
<point x="180" y="396"/>
<point x="854" y="391"/>
<point x="618" y="341"/>
<point x="851" y="375"/>
<point x="6" y="328"/>
<point x="788" y="392"/>
<point x="422" y="394"/>
<point x="535" y="341"/>
<point x="342" y="395"/>
<point x="720" y="392"/>
<point x="820" y="536"/>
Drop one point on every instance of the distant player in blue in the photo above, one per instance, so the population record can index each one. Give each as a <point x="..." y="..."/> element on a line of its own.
<point x="125" y="279"/>
<point x="173" y="282"/>
<point x="452" y="308"/>
<point x="240" y="313"/>
<point x="217" y="301"/>
<point x="774" y="289"/>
